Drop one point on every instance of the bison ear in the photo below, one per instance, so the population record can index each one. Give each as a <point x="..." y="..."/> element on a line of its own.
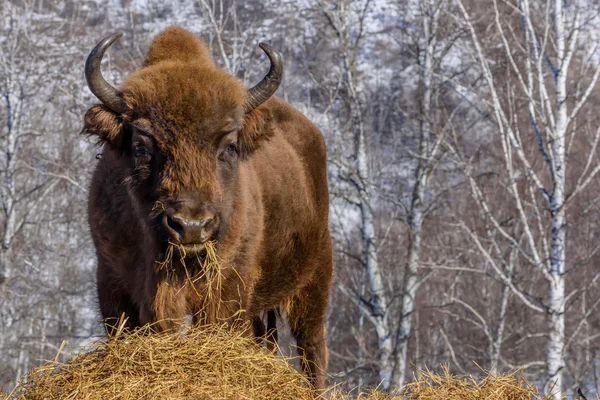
<point x="103" y="123"/>
<point x="256" y="127"/>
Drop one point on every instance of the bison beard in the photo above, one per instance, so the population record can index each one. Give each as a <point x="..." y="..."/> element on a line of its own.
<point x="192" y="158"/>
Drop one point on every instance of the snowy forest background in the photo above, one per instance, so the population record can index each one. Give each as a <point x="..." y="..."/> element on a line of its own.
<point x="463" y="158"/>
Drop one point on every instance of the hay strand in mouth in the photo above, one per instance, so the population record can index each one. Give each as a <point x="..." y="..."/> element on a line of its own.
<point x="194" y="288"/>
<point x="212" y="274"/>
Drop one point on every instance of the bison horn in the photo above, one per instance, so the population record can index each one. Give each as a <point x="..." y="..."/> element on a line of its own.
<point x="107" y="94"/>
<point x="268" y="86"/>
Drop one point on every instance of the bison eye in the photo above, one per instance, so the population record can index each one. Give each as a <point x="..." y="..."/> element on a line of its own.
<point x="232" y="149"/>
<point x="230" y="153"/>
<point x="140" y="150"/>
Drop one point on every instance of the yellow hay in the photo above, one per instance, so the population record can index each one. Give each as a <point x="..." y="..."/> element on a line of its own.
<point x="205" y="284"/>
<point x="213" y="362"/>
<point x="432" y="386"/>
<point x="205" y="363"/>
<point x="212" y="274"/>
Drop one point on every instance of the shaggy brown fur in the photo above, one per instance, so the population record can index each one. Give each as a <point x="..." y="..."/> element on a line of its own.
<point x="186" y="145"/>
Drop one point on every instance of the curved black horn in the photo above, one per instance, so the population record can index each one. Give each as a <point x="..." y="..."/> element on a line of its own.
<point x="268" y="86"/>
<point x="107" y="94"/>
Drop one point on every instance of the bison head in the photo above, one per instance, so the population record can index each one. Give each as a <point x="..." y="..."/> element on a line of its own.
<point x="180" y="127"/>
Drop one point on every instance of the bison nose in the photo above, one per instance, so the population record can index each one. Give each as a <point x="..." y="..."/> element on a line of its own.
<point x="187" y="231"/>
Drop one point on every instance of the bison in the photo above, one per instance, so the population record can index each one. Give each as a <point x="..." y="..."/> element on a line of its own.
<point x="190" y="156"/>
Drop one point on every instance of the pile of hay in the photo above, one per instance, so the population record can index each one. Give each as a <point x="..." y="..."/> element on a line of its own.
<point x="432" y="386"/>
<point x="203" y="363"/>
<point x="215" y="363"/>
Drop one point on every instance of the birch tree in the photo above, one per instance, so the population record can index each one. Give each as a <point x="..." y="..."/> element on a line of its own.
<point x="429" y="151"/>
<point x="539" y="58"/>
<point x="29" y="175"/>
<point x="355" y="171"/>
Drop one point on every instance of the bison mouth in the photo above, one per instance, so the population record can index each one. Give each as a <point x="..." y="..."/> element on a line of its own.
<point x="197" y="262"/>
<point x="195" y="251"/>
<point x="189" y="250"/>
<point x="189" y="254"/>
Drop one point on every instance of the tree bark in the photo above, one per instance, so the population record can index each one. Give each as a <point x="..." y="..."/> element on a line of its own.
<point x="556" y="284"/>
<point x="417" y="206"/>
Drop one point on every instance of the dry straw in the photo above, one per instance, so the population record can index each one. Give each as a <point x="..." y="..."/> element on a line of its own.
<point x="199" y="283"/>
<point x="214" y="362"/>
<point x="431" y="386"/>
<point x="203" y="363"/>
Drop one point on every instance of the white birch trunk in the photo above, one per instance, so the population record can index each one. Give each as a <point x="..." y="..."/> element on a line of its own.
<point x="360" y="333"/>
<point x="8" y="195"/>
<point x="554" y="115"/>
<point x="376" y="305"/>
<point x="7" y="192"/>
<point x="377" y="302"/>
<point x="556" y="284"/>
<point x="417" y="208"/>
<point x="497" y="343"/>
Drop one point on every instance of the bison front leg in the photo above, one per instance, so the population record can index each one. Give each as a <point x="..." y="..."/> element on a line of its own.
<point x="306" y="316"/>
<point x="268" y="334"/>
<point x="115" y="304"/>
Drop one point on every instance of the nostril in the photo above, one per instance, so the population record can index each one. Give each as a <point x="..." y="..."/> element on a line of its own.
<point x="206" y="222"/>
<point x="175" y="226"/>
<point x="209" y="226"/>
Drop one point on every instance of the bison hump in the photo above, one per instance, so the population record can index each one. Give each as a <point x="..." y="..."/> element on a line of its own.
<point x="178" y="44"/>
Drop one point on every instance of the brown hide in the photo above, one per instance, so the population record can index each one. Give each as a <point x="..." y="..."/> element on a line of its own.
<point x="186" y="145"/>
